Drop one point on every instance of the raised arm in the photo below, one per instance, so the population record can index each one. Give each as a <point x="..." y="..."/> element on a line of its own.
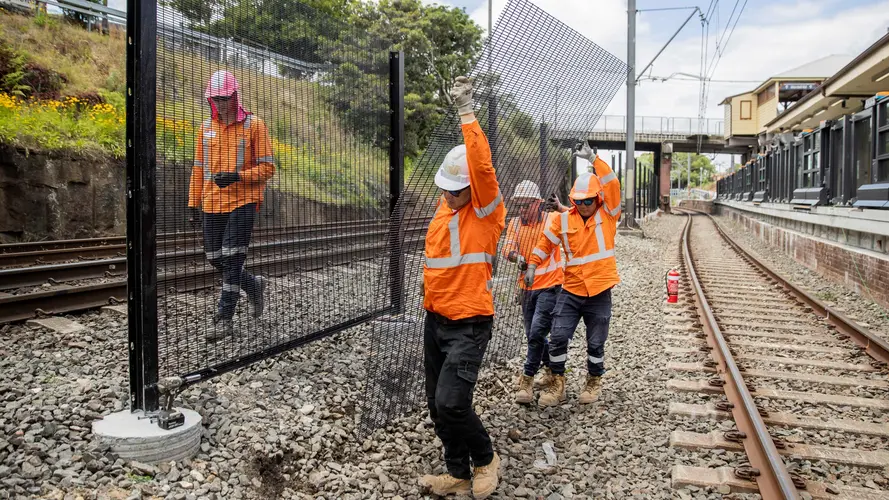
<point x="482" y="177"/>
<point x="611" y="186"/>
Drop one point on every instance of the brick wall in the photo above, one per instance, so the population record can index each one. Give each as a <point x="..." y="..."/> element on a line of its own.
<point x="699" y="205"/>
<point x="849" y="266"/>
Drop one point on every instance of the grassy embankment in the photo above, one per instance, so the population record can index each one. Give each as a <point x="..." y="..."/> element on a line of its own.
<point x="62" y="90"/>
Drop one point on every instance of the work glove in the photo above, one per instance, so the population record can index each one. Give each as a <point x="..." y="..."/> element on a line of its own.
<point x="461" y="95"/>
<point x="422" y="289"/>
<point x="226" y="179"/>
<point x="586" y="153"/>
<point x="553" y="204"/>
<point x="521" y="262"/>
<point x="529" y="275"/>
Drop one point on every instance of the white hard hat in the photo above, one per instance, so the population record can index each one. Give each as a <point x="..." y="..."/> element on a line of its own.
<point x="453" y="174"/>
<point x="527" y="189"/>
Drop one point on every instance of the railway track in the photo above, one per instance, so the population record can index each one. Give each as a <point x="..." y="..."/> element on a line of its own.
<point x="802" y="383"/>
<point x="181" y="268"/>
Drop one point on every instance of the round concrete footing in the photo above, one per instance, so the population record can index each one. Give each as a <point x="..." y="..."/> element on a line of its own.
<point x="132" y="436"/>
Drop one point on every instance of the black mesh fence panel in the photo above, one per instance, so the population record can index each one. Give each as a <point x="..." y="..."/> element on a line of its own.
<point x="539" y="88"/>
<point x="273" y="200"/>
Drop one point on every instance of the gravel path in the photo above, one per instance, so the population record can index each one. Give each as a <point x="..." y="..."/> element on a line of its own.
<point x="857" y="306"/>
<point x="287" y="427"/>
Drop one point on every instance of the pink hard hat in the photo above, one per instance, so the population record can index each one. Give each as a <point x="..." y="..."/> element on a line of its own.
<point x="222" y="83"/>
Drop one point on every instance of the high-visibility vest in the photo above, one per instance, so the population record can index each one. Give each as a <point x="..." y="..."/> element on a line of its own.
<point x="242" y="147"/>
<point x="522" y="238"/>
<point x="461" y="244"/>
<point x="590" y="265"/>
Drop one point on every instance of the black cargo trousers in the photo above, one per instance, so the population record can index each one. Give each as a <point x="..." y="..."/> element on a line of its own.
<point x="453" y="352"/>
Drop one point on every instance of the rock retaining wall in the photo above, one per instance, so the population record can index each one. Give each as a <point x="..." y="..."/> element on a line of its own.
<point x="48" y="196"/>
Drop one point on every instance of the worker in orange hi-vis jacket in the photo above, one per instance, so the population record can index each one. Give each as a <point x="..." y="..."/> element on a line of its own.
<point x="233" y="161"/>
<point x="461" y="244"/>
<point x="586" y="233"/>
<point x="538" y="300"/>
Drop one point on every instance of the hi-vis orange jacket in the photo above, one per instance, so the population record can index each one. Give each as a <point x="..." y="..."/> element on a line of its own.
<point x="242" y="147"/>
<point x="590" y="266"/>
<point x="461" y="244"/>
<point x="522" y="238"/>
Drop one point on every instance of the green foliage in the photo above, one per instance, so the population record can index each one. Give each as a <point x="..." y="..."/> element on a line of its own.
<point x="12" y="71"/>
<point x="439" y="42"/>
<point x="679" y="172"/>
<point x="45" y="20"/>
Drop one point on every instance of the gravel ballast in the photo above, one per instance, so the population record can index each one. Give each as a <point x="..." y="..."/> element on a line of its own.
<point x="287" y="427"/>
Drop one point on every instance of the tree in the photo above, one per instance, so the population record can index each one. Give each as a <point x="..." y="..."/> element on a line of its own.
<point x="679" y="172"/>
<point x="439" y="43"/>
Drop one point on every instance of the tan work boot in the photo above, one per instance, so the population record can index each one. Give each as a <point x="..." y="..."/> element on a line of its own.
<point x="545" y="380"/>
<point x="555" y="393"/>
<point x="445" y="484"/>
<point x="525" y="393"/>
<point x="591" y="390"/>
<point x="485" y="478"/>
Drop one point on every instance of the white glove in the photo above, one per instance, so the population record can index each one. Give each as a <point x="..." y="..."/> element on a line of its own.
<point x="586" y="153"/>
<point x="529" y="275"/>
<point x="461" y="95"/>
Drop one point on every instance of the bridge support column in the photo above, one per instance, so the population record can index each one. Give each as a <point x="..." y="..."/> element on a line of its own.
<point x="665" y="166"/>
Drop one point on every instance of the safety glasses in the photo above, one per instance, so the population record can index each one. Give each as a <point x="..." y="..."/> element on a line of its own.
<point x="455" y="193"/>
<point x="587" y="202"/>
<point x="222" y="98"/>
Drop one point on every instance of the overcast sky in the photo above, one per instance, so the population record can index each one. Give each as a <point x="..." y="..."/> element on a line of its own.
<point x="770" y="37"/>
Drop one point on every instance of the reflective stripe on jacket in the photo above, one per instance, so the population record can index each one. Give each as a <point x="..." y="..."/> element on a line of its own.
<point x="590" y="266"/>
<point x="242" y="147"/>
<point x="461" y="245"/>
<point x="522" y="238"/>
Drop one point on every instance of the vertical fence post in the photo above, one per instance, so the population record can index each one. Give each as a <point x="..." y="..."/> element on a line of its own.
<point x="543" y="158"/>
<point x="396" y="178"/>
<point x="141" y="188"/>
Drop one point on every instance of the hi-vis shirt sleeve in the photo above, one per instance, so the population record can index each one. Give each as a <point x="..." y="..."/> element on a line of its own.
<point x="264" y="154"/>
<point x="611" y="186"/>
<point x="485" y="188"/>
<point x="196" y="185"/>
<point x="512" y="238"/>
<point x="547" y="242"/>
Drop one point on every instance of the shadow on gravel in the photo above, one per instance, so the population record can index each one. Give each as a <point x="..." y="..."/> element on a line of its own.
<point x="271" y="470"/>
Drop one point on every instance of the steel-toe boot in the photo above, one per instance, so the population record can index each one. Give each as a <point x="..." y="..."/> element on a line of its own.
<point x="555" y="393"/>
<point x="525" y="393"/>
<point x="545" y="379"/>
<point x="445" y="484"/>
<point x="591" y="390"/>
<point x="485" y="479"/>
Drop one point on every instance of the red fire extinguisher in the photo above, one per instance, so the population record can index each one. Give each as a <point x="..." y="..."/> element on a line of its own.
<point x="672" y="279"/>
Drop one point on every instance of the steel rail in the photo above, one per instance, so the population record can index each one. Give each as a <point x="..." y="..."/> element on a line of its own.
<point x="875" y="346"/>
<point x="79" y="298"/>
<point x="175" y="238"/>
<point x="774" y="480"/>
<point x="13" y="278"/>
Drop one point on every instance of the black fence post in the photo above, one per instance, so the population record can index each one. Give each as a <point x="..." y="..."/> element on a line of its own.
<point x="141" y="190"/>
<point x="396" y="177"/>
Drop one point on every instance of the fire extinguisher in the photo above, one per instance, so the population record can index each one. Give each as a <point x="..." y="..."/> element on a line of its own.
<point x="672" y="279"/>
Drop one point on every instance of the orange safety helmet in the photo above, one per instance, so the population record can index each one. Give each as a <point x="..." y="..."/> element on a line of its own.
<point x="586" y="186"/>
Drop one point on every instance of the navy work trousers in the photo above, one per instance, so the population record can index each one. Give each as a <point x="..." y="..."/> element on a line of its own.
<point x="453" y="352"/>
<point x="226" y="240"/>
<point x="537" y="308"/>
<point x="596" y="314"/>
